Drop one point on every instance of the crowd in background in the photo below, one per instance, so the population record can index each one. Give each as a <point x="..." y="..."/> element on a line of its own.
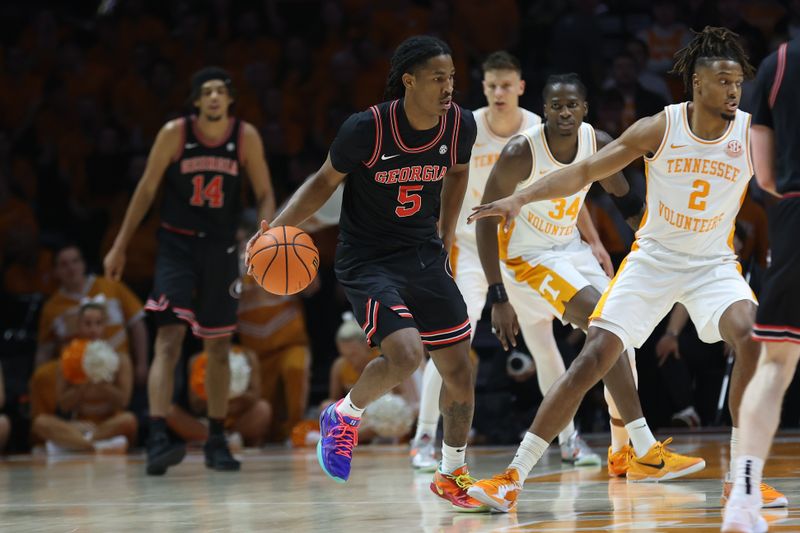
<point x="83" y="93"/>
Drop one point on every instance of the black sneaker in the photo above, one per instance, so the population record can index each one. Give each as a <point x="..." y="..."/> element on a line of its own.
<point x="218" y="456"/>
<point x="163" y="452"/>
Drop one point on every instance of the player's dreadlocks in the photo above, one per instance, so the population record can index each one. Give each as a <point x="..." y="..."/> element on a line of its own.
<point x="709" y="45"/>
<point x="411" y="53"/>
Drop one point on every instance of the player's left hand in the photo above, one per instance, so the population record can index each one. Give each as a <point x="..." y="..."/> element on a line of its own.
<point x="601" y="254"/>
<point x="505" y="325"/>
<point x="507" y="208"/>
<point x="264" y="228"/>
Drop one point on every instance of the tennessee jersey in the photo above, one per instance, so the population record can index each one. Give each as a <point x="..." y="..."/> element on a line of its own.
<point x="695" y="187"/>
<point x="549" y="223"/>
<point x="485" y="152"/>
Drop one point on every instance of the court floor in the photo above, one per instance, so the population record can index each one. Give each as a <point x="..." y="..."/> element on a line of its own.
<point x="284" y="490"/>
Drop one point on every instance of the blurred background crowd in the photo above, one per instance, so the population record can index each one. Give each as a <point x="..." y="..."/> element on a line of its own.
<point x="84" y="89"/>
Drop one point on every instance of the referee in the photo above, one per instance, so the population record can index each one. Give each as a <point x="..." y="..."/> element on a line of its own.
<point x="776" y="158"/>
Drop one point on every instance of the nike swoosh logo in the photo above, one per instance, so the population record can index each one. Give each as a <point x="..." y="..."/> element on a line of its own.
<point x="385" y="157"/>
<point x="658" y="466"/>
<point x="440" y="491"/>
<point x="189" y="146"/>
<point x="675" y="146"/>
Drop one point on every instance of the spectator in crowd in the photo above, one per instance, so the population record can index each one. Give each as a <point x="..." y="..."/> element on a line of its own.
<point x="249" y="415"/>
<point x="638" y="101"/>
<point x="94" y="386"/>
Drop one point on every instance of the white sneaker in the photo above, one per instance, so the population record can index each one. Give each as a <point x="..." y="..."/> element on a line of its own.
<point x="423" y="454"/>
<point x="118" y="444"/>
<point x="687" y="417"/>
<point x="577" y="452"/>
<point x="54" y="449"/>
<point x="743" y="516"/>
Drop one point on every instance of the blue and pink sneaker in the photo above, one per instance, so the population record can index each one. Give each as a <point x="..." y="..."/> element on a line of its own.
<point x="335" y="448"/>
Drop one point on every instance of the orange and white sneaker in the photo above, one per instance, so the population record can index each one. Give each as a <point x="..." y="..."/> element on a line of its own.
<point x="770" y="496"/>
<point x="619" y="461"/>
<point x="453" y="488"/>
<point x="661" y="464"/>
<point x="500" y="492"/>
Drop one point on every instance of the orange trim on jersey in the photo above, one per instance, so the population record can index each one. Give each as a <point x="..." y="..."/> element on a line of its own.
<point x="399" y="140"/>
<point x="733" y="227"/>
<point x="750" y="167"/>
<point x="598" y="309"/>
<point x="205" y="141"/>
<point x="550" y="154"/>
<point x="646" y="194"/>
<point x="177" y="157"/>
<point x="453" y="258"/>
<point x="685" y="113"/>
<point x="663" y="140"/>
<point x="376" y="151"/>
<point x="504" y="239"/>
<point x="454" y="140"/>
<point x="556" y="290"/>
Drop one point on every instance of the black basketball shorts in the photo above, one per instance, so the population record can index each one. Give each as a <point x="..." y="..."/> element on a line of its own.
<point x="778" y="315"/>
<point x="197" y="281"/>
<point x="410" y="288"/>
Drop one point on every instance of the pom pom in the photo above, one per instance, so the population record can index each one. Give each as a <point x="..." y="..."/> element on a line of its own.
<point x="72" y="361"/>
<point x="100" y="362"/>
<point x="389" y="416"/>
<point x="240" y="374"/>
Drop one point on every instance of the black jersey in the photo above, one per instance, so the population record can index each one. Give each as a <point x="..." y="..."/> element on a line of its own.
<point x="392" y="193"/>
<point x="202" y="192"/>
<point x="775" y="103"/>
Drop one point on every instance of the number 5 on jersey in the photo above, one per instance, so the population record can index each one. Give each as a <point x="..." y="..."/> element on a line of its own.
<point x="406" y="196"/>
<point x="211" y="193"/>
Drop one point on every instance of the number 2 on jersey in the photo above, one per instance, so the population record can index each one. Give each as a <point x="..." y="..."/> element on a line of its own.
<point x="558" y="211"/>
<point x="211" y="193"/>
<point x="700" y="191"/>
<point x="403" y="197"/>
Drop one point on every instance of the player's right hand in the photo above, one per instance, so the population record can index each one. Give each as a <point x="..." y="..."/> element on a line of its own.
<point x="667" y="345"/>
<point x="114" y="263"/>
<point x="507" y="208"/>
<point x="262" y="230"/>
<point x="504" y="324"/>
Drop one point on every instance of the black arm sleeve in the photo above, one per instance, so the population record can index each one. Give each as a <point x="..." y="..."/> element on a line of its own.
<point x="466" y="136"/>
<point x="354" y="143"/>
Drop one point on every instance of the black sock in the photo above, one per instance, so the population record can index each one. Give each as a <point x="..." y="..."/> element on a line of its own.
<point x="158" y="424"/>
<point x="216" y="426"/>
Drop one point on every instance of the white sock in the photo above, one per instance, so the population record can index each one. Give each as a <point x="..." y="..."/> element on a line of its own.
<point x="346" y="407"/>
<point x="748" y="478"/>
<point x="734" y="452"/>
<point x="641" y="436"/>
<point x="428" y="419"/>
<point x="564" y="436"/>
<point x="452" y="458"/>
<point x="528" y="454"/>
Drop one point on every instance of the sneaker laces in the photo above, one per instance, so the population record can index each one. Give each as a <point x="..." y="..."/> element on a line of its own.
<point x="346" y="436"/>
<point x="663" y="450"/>
<point x="504" y="479"/>
<point x="464" y="481"/>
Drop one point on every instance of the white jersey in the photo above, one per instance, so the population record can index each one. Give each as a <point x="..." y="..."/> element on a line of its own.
<point x="549" y="223"/>
<point x="695" y="187"/>
<point x="485" y="152"/>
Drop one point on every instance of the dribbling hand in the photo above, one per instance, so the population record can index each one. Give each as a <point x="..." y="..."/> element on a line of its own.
<point x="264" y="228"/>
<point x="114" y="264"/>
<point x="507" y="208"/>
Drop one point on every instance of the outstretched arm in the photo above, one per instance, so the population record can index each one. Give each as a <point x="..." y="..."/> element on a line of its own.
<point x="643" y="138"/>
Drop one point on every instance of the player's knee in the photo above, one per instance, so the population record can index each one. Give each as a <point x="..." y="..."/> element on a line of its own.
<point x="406" y="359"/>
<point x="169" y="341"/>
<point x="41" y="426"/>
<point x="594" y="362"/>
<point x="262" y="414"/>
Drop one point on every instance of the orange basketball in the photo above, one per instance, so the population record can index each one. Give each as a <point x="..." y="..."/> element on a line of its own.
<point x="284" y="260"/>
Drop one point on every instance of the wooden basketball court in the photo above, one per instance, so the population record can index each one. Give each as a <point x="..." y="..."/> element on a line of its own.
<point x="284" y="490"/>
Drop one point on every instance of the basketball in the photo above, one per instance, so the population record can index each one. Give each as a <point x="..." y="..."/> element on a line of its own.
<point x="284" y="260"/>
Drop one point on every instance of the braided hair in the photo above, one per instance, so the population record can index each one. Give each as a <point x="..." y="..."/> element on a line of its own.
<point x="709" y="45"/>
<point x="411" y="53"/>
